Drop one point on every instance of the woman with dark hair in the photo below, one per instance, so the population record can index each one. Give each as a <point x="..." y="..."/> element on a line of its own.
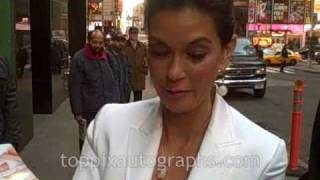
<point x="185" y="133"/>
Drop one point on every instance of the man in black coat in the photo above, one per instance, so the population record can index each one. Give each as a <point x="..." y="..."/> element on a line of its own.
<point x="314" y="160"/>
<point x="10" y="127"/>
<point x="91" y="83"/>
<point x="284" y="58"/>
<point x="22" y="58"/>
<point x="122" y="68"/>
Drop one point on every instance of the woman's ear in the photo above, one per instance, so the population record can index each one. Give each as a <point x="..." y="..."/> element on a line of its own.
<point x="228" y="51"/>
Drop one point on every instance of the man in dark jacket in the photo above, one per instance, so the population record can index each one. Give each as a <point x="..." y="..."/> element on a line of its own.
<point x="314" y="160"/>
<point x="22" y="57"/>
<point x="91" y="81"/>
<point x="284" y="57"/>
<point x="10" y="127"/>
<point x="313" y="172"/>
<point x="122" y="68"/>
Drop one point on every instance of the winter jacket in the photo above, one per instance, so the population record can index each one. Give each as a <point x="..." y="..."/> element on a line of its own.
<point x="10" y="126"/>
<point x="137" y="59"/>
<point x="91" y="84"/>
<point x="122" y="72"/>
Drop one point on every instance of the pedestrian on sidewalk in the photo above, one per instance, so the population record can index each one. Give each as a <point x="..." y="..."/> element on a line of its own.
<point x="284" y="58"/>
<point x="91" y="82"/>
<point x="10" y="126"/>
<point x="136" y="52"/>
<point x="123" y="69"/>
<point x="21" y="59"/>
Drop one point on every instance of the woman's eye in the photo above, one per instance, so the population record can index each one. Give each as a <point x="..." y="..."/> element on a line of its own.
<point x="197" y="56"/>
<point x="158" y="52"/>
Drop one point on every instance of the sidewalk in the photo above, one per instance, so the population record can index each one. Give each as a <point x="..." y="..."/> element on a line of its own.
<point x="53" y="135"/>
<point x="303" y="66"/>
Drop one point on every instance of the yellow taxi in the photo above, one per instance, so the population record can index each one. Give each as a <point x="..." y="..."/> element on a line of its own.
<point x="272" y="57"/>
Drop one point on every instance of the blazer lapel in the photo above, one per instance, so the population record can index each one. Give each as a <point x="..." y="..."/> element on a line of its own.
<point x="218" y="145"/>
<point x="143" y="146"/>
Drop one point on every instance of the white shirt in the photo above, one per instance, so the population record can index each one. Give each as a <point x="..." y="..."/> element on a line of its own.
<point x="233" y="148"/>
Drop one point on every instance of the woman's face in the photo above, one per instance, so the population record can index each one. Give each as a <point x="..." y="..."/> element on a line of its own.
<point x="185" y="54"/>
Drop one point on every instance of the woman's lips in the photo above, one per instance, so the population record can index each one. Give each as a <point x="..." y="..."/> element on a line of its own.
<point x="174" y="93"/>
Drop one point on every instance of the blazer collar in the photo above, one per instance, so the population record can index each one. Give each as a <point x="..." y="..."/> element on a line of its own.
<point x="220" y="129"/>
<point x="219" y="144"/>
<point x="144" y="140"/>
<point x="219" y="140"/>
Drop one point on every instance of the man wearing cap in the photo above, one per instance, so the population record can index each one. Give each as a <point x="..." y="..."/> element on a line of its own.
<point x="136" y="52"/>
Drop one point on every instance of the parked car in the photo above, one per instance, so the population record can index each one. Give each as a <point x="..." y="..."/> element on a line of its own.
<point x="317" y="56"/>
<point x="272" y="57"/>
<point x="246" y="69"/>
<point x="314" y="54"/>
<point x="304" y="52"/>
<point x="317" y="53"/>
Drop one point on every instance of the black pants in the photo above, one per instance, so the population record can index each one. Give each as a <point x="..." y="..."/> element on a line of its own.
<point x="283" y="65"/>
<point x="89" y="117"/>
<point x="137" y="95"/>
<point x="20" y="71"/>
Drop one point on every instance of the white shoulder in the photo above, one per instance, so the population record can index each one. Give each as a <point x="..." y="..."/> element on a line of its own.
<point x="256" y="140"/>
<point x="113" y="118"/>
<point x="247" y="128"/>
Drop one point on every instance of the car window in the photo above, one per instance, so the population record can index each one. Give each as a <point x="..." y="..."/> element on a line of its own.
<point x="269" y="51"/>
<point x="244" y="48"/>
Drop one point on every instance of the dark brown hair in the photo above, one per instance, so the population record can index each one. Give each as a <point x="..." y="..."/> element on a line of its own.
<point x="221" y="12"/>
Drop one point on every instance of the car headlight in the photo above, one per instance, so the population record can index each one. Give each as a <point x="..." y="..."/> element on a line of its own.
<point x="261" y="71"/>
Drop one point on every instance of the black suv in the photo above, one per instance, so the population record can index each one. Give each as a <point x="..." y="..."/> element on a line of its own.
<point x="246" y="69"/>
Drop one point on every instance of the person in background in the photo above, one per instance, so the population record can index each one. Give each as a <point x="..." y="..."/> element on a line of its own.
<point x="21" y="59"/>
<point x="56" y="57"/>
<point x="10" y="126"/>
<point x="123" y="69"/>
<point x="91" y="83"/>
<point x="277" y="46"/>
<point x="314" y="160"/>
<point x="284" y="57"/>
<point x="259" y="50"/>
<point x="136" y="52"/>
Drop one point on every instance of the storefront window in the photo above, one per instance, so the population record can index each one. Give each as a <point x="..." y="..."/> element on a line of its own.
<point x="59" y="50"/>
<point x="24" y="69"/>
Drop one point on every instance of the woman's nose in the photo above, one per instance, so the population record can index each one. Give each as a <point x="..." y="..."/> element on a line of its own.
<point x="176" y="69"/>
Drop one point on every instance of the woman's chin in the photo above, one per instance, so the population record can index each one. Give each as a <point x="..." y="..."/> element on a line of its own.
<point x="181" y="106"/>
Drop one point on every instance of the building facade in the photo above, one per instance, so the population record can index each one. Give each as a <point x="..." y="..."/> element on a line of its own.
<point x="279" y="21"/>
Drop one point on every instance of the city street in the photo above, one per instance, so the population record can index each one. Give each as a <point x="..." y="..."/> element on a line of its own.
<point x="273" y="112"/>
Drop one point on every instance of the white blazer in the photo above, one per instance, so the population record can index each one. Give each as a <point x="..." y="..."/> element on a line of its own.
<point x="233" y="148"/>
